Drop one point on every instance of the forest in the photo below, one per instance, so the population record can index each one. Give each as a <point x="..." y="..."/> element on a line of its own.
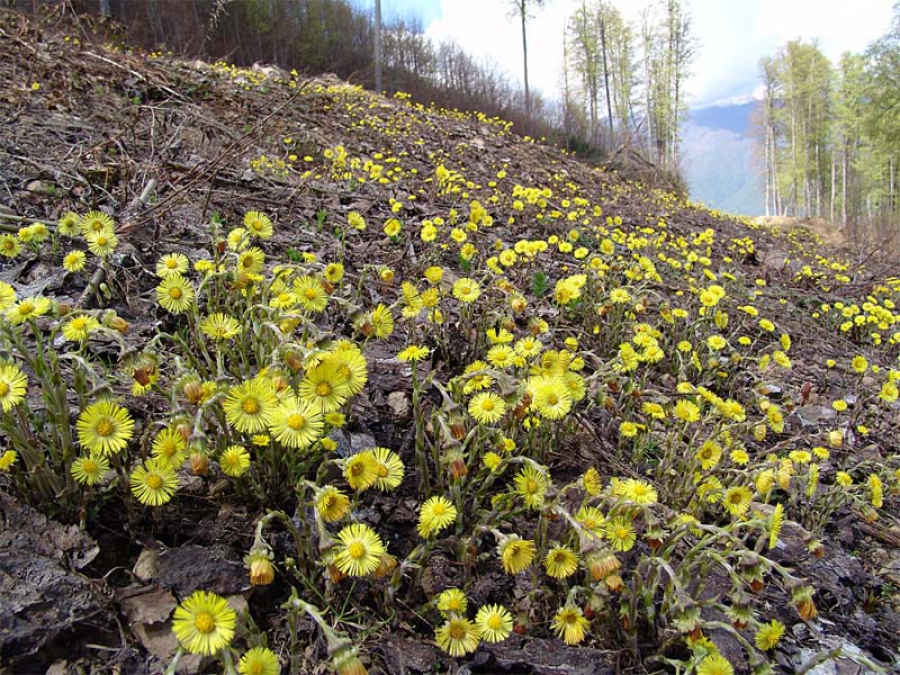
<point x="829" y="134"/>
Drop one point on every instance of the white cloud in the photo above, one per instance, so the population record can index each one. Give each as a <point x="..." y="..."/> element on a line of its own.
<point x="733" y="36"/>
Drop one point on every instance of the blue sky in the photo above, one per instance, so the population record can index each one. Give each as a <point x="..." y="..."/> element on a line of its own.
<point x="733" y="34"/>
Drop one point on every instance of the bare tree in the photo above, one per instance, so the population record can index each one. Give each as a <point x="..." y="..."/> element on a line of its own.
<point x="521" y="9"/>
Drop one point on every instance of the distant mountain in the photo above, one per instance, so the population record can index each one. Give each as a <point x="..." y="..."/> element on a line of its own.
<point x="718" y="159"/>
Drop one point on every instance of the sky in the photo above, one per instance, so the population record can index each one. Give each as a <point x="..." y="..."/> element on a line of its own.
<point x="733" y="35"/>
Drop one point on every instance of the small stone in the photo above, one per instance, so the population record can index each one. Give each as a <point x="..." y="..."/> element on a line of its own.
<point x="398" y="402"/>
<point x="146" y="565"/>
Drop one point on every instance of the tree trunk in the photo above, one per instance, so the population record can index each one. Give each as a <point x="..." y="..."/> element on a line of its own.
<point x="522" y="9"/>
<point x="378" y="46"/>
<point x="603" y="47"/>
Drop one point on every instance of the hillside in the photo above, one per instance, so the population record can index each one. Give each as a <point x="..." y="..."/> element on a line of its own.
<point x="301" y="379"/>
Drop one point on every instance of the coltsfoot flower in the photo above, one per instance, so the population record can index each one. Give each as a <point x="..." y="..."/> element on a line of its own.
<point x="104" y="427"/>
<point x="436" y="514"/>
<point x="359" y="551"/>
<point x="457" y="637"/>
<point x="204" y="623"/>
<point x="516" y="554"/>
<point x="494" y="623"/>
<point x="154" y="483"/>
<point x="570" y="624"/>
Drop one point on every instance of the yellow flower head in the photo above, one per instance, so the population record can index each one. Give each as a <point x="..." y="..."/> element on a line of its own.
<point x="494" y="623"/>
<point x="458" y="637"/>
<point x="104" y="427"/>
<point x="13" y="385"/>
<point x="175" y="294"/>
<point x="361" y="470"/>
<point x="561" y="562"/>
<point x="154" y="483"/>
<point x="258" y="224"/>
<point x="204" y="623"/>
<point x="516" y="553"/>
<point x="436" y="514"/>
<point x="235" y="461"/>
<point x="332" y="504"/>
<point x="259" y="661"/>
<point x="296" y="423"/>
<point x="359" y="550"/>
<point x="389" y="467"/>
<point x="452" y="601"/>
<point x="487" y="407"/>
<point x="570" y="624"/>
<point x="466" y="290"/>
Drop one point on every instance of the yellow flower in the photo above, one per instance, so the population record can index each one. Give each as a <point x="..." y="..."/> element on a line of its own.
<point x="687" y="411"/>
<point x="258" y="224"/>
<point x="709" y="455"/>
<point x="436" y="514"/>
<point x="97" y="221"/>
<point x="494" y="623"/>
<point x="8" y="458"/>
<point x="768" y="635"/>
<point x="69" y="224"/>
<point x="251" y="261"/>
<point x="259" y="661"/>
<point x="570" y="624"/>
<point x="175" y="294"/>
<point x="154" y="483"/>
<point x="516" y="553"/>
<point x="219" y="326"/>
<point x="359" y="551"/>
<point x="311" y="293"/>
<point x="9" y="246"/>
<point x="204" y="623"/>
<point x="7" y="296"/>
<point x="296" y="424"/>
<point x="487" y="407"/>
<point x="392" y="227"/>
<point x="102" y="243"/>
<point x="457" y="637"/>
<point x="621" y="533"/>
<point x="551" y="398"/>
<point x="78" y="328"/>
<point x="592" y="482"/>
<point x="715" y="664"/>
<point x="74" y="261"/>
<point x="389" y="467"/>
<point x="466" y="290"/>
<point x="413" y="353"/>
<point x="561" y="562"/>
<point x="737" y="500"/>
<point x="89" y="470"/>
<point x="434" y="274"/>
<point x="332" y="504"/>
<point x="104" y="427"/>
<point x="324" y="387"/>
<point x="249" y="405"/>
<point x="531" y="484"/>
<point x="13" y="385"/>
<point x="235" y="461"/>
<point x="170" y="445"/>
<point x="636" y="490"/>
<point x="775" y="524"/>
<point x="29" y="308"/>
<point x="334" y="272"/>
<point x="453" y="601"/>
<point x="361" y="470"/>
<point x="172" y="263"/>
